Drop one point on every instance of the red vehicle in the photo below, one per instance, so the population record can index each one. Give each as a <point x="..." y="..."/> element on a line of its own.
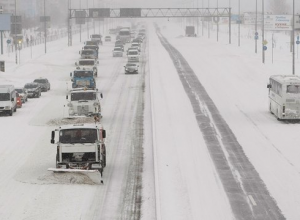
<point x="19" y="100"/>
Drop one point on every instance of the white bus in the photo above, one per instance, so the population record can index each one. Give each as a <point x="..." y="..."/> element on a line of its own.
<point x="284" y="96"/>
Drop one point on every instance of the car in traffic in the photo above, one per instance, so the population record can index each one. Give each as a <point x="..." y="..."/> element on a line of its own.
<point x="44" y="84"/>
<point x="131" y="68"/>
<point x="22" y="93"/>
<point x="19" y="100"/>
<point x="117" y="52"/>
<point x="136" y="45"/>
<point x="33" y="89"/>
<point x="133" y="55"/>
<point x="107" y="38"/>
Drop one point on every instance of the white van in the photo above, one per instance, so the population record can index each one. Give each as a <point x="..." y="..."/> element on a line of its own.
<point x="8" y="99"/>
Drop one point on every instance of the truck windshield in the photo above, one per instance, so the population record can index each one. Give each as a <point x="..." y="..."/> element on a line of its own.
<point x="87" y="52"/>
<point x="83" y="96"/>
<point x="86" y="62"/>
<point x="4" y="96"/>
<point x="82" y="135"/>
<point x="83" y="73"/>
<point x="91" y="43"/>
<point x="132" y="53"/>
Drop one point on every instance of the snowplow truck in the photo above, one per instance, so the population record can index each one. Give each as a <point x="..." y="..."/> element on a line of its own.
<point x="81" y="149"/>
<point x="190" y="31"/>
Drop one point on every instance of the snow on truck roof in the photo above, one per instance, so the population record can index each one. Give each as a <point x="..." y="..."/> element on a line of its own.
<point x="286" y="78"/>
<point x="84" y="126"/>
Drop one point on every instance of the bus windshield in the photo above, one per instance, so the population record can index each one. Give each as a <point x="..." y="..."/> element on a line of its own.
<point x="295" y="89"/>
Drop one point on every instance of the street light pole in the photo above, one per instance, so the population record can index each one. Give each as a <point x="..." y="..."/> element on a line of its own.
<point x="239" y="27"/>
<point x="256" y="35"/>
<point x="293" y="37"/>
<point x="263" y="31"/>
<point x="15" y="38"/>
<point x="218" y="20"/>
<point x="45" y="28"/>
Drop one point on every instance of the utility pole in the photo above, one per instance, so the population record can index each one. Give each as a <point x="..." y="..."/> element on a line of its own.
<point x="293" y="37"/>
<point x="218" y="20"/>
<point x="15" y="37"/>
<point x="239" y="26"/>
<point x="263" y="31"/>
<point x="45" y="26"/>
<point x="256" y="34"/>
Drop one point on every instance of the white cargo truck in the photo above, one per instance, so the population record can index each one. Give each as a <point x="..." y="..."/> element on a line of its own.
<point x="84" y="102"/>
<point x="80" y="149"/>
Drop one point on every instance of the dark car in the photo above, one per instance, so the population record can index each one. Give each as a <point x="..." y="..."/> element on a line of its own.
<point x="44" y="84"/>
<point x="33" y="90"/>
<point x="131" y="68"/>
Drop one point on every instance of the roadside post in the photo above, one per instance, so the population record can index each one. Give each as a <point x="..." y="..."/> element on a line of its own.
<point x="297" y="42"/>
<point x="2" y="66"/>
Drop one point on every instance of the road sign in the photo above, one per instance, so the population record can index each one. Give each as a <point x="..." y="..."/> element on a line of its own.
<point x="130" y="12"/>
<point x="265" y="42"/>
<point x="99" y="12"/>
<point x="44" y="18"/>
<point x="297" y="42"/>
<point x="256" y="37"/>
<point x="8" y="41"/>
<point x="265" y="47"/>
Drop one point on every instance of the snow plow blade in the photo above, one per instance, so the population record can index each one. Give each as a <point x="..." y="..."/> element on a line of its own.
<point x="94" y="175"/>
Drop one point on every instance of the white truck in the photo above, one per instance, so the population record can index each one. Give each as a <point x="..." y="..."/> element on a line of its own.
<point x="80" y="149"/>
<point x="87" y="64"/>
<point x="8" y="99"/>
<point x="84" y="102"/>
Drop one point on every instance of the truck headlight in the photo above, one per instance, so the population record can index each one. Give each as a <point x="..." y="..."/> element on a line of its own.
<point x="7" y="107"/>
<point x="95" y="103"/>
<point x="70" y="105"/>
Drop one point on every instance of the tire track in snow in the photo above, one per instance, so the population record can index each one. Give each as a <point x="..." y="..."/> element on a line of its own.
<point x="246" y="192"/>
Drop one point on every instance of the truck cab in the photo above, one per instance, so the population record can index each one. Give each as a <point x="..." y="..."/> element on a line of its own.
<point x="87" y="64"/>
<point x="88" y="54"/>
<point x="80" y="147"/>
<point x="97" y="38"/>
<point x="84" y="102"/>
<point x="83" y="78"/>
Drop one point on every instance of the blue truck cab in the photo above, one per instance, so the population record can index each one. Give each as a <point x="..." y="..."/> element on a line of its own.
<point x="83" y="78"/>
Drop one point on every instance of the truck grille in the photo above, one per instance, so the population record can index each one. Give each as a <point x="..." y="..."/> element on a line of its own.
<point x="83" y="109"/>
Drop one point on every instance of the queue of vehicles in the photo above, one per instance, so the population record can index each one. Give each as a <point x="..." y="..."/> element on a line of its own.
<point x="81" y="147"/>
<point x="12" y="97"/>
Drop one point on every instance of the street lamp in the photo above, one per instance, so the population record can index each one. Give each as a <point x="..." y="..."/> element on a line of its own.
<point x="45" y="26"/>
<point x="293" y="37"/>
<point x="239" y="27"/>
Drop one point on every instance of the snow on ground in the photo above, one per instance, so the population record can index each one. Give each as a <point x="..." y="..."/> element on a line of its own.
<point x="186" y="183"/>
<point x="236" y="80"/>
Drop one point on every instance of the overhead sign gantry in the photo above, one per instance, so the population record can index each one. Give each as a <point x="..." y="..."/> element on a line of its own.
<point x="215" y="13"/>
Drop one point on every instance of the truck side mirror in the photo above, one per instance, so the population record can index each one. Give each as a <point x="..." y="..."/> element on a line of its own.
<point x="103" y="133"/>
<point x="269" y="86"/>
<point x="71" y="74"/>
<point x="52" y="137"/>
<point x="12" y="99"/>
<point x="67" y="96"/>
<point x="101" y="95"/>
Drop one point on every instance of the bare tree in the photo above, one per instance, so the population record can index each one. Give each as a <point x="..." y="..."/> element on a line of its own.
<point x="279" y="6"/>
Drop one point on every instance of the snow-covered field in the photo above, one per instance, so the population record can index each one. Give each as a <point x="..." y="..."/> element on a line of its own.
<point x="179" y="178"/>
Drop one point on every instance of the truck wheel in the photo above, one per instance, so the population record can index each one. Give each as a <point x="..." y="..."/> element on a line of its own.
<point x="11" y="113"/>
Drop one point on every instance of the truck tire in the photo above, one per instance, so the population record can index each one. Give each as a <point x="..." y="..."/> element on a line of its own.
<point x="11" y="113"/>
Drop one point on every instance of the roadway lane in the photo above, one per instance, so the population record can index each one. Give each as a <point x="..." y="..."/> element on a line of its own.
<point x="245" y="190"/>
